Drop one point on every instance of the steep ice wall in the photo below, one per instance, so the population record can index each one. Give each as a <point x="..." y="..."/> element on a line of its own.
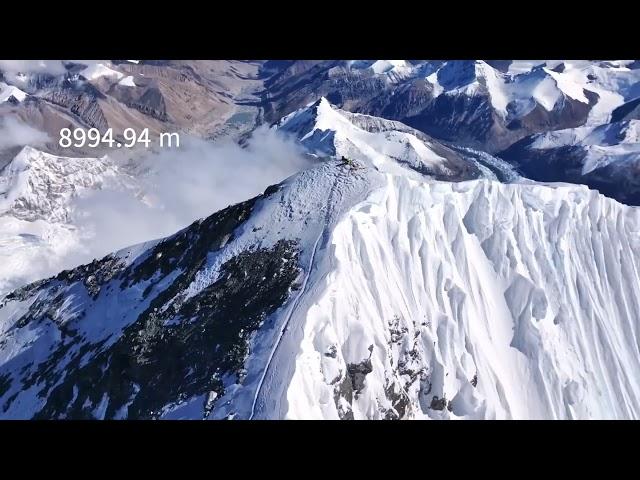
<point x="472" y="300"/>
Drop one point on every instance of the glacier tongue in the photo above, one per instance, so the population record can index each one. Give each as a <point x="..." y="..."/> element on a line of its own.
<point x="471" y="300"/>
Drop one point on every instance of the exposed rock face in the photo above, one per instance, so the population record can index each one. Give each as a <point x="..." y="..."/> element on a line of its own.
<point x="438" y="403"/>
<point x="196" y="97"/>
<point x="628" y="111"/>
<point x="148" y="101"/>
<point x="357" y="374"/>
<point x="84" y="105"/>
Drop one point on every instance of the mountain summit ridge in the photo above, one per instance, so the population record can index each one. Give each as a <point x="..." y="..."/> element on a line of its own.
<point x="404" y="265"/>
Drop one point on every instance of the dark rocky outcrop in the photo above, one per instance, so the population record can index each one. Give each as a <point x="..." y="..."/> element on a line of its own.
<point x="357" y="373"/>
<point x="438" y="403"/>
<point x="627" y="111"/>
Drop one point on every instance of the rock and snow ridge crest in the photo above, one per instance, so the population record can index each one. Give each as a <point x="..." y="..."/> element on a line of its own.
<point x="415" y="299"/>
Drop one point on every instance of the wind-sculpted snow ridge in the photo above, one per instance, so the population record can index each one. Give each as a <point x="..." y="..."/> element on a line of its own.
<point x="471" y="300"/>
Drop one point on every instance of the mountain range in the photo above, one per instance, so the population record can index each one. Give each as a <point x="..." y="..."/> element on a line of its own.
<point x="461" y="243"/>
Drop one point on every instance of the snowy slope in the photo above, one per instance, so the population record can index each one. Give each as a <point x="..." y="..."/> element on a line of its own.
<point x="508" y="301"/>
<point x="113" y="299"/>
<point x="127" y="81"/>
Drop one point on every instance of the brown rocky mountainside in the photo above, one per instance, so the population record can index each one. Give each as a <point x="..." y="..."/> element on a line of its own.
<point x="196" y="97"/>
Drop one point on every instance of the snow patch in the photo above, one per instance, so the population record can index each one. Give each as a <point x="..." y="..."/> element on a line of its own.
<point x="8" y="91"/>
<point x="98" y="70"/>
<point x="127" y="81"/>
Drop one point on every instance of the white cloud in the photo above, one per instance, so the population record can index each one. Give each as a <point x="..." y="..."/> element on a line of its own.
<point x="183" y="185"/>
<point x="14" y="133"/>
<point x="13" y="68"/>
<point x="179" y="185"/>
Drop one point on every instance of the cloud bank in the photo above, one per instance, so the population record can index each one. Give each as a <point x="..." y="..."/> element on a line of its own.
<point x="14" y="133"/>
<point x="14" y="67"/>
<point x="180" y="186"/>
<point x="155" y="196"/>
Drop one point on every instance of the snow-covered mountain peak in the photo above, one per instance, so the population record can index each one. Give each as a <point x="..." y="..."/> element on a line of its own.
<point x="38" y="185"/>
<point x="327" y="131"/>
<point x="454" y="75"/>
<point x="632" y="132"/>
<point x="393" y="70"/>
<point x="7" y="92"/>
<point x="386" y="66"/>
<point x="511" y="94"/>
<point x="615" y="145"/>
<point x="328" y="116"/>
<point x="99" y="70"/>
<point x="37" y="193"/>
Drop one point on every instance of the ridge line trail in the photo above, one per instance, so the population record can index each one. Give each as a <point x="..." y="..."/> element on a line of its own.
<point x="294" y="304"/>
